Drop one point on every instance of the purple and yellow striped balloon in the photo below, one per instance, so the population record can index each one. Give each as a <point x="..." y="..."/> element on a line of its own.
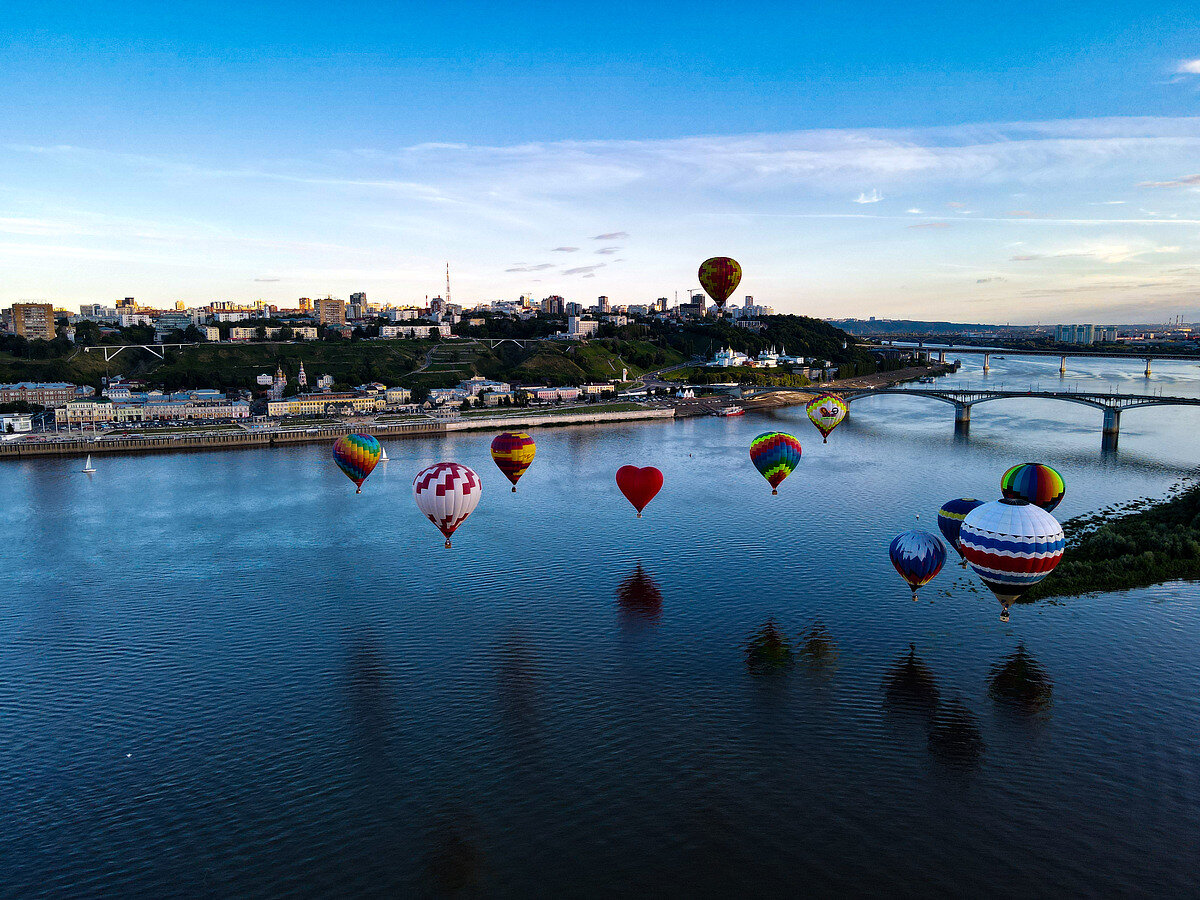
<point x="356" y="455"/>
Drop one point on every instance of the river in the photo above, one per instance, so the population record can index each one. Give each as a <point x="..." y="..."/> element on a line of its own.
<point x="226" y="674"/>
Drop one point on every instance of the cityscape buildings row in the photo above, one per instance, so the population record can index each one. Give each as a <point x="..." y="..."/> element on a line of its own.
<point x="36" y="320"/>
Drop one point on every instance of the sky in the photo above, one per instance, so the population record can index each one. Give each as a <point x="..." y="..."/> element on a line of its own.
<point x="980" y="162"/>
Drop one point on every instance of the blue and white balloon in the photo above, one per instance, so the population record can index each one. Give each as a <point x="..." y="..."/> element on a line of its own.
<point x="918" y="556"/>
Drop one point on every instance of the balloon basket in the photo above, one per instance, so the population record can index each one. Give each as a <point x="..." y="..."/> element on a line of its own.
<point x="824" y="440"/>
<point x="639" y="515"/>
<point x="774" y="491"/>
<point x="914" y="596"/>
<point x="447" y="545"/>
<point x="514" y="488"/>
<point x="359" y="491"/>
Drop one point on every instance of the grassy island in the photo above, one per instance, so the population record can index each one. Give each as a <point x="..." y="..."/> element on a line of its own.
<point x="1158" y="543"/>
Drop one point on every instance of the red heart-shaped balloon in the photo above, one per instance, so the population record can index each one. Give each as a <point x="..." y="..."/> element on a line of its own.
<point x="639" y="485"/>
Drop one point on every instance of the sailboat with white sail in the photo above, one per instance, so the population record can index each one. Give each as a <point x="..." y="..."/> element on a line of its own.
<point x="88" y="468"/>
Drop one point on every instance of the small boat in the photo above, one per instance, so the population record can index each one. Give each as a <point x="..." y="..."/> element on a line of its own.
<point x="730" y="411"/>
<point x="88" y="468"/>
<point x="383" y="454"/>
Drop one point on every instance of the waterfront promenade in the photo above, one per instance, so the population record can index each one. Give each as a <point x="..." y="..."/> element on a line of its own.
<point x="250" y="438"/>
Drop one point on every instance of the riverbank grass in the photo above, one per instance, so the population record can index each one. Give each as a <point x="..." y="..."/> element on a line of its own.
<point x="1156" y="544"/>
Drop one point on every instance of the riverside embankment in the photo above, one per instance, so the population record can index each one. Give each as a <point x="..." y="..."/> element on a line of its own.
<point x="251" y="438"/>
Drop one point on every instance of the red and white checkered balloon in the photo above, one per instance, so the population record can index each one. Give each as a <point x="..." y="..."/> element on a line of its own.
<point x="447" y="493"/>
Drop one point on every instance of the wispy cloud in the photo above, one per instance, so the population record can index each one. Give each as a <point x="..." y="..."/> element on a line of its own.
<point x="333" y="219"/>
<point x="1185" y="181"/>
<point x="267" y="279"/>
<point x="579" y="270"/>
<point x="1188" y="67"/>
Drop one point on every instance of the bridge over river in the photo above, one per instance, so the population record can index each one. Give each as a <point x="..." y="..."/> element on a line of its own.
<point x="1112" y="405"/>
<point x="939" y="351"/>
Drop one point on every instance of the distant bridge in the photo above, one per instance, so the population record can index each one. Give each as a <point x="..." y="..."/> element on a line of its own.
<point x="988" y="352"/>
<point x="962" y="400"/>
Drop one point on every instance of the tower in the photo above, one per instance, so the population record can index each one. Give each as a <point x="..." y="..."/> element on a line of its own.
<point x="302" y="379"/>
<point x="447" y="283"/>
<point x="278" y="385"/>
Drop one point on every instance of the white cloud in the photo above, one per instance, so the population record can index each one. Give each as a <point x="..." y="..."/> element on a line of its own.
<point x="873" y="197"/>
<point x="1188" y="67"/>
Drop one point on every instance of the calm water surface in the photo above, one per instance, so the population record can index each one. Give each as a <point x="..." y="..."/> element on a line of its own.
<point x="225" y="674"/>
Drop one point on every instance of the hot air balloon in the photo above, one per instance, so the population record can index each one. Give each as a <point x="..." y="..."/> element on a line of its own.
<point x="720" y="276"/>
<point x="639" y="485"/>
<point x="775" y="455"/>
<point x="950" y="519"/>
<point x="1034" y="483"/>
<point x="917" y="556"/>
<point x="447" y="493"/>
<point x="1011" y="545"/>
<point x="513" y="451"/>
<point x="356" y="455"/>
<point x="826" y="412"/>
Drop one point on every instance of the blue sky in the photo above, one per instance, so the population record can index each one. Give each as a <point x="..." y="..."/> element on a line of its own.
<point x="1023" y="162"/>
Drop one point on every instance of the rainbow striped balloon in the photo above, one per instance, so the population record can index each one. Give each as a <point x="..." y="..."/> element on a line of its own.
<point x="1034" y="483"/>
<point x="775" y="455"/>
<point x="356" y="455"/>
<point x="513" y="451"/>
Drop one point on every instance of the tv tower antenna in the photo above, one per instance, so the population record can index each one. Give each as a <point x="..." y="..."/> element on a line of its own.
<point x="447" y="283"/>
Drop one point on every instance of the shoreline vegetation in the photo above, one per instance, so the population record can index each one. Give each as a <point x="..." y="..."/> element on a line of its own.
<point x="1142" y="545"/>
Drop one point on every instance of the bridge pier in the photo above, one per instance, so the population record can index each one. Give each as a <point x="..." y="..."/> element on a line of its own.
<point x="1062" y="366"/>
<point x="987" y="361"/>
<point x="1147" y="375"/>
<point x="962" y="418"/>
<point x="1112" y="428"/>
<point x="942" y="357"/>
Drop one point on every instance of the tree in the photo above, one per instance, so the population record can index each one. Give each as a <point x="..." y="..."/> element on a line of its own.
<point x="193" y="335"/>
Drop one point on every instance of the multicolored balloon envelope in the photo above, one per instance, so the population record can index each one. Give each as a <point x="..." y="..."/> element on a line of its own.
<point x="827" y="412"/>
<point x="950" y="519"/>
<point x="513" y="451"/>
<point x="918" y="556"/>
<point x="356" y="455"/>
<point x="1034" y="483"/>
<point x="639" y="486"/>
<point x="447" y="493"/>
<point x="776" y="456"/>
<point x="1011" y="545"/>
<point x="720" y="276"/>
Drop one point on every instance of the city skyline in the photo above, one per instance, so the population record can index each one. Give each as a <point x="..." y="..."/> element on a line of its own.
<point x="866" y="164"/>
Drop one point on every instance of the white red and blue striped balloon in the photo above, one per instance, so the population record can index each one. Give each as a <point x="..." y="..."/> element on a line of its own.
<point x="918" y="556"/>
<point x="447" y="493"/>
<point x="1011" y="545"/>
